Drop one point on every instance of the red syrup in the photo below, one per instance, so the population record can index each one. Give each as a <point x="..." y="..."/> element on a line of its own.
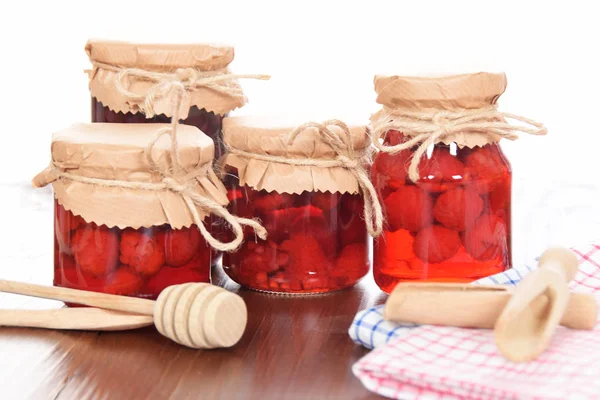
<point x="317" y="242"/>
<point x="453" y="225"/>
<point x="130" y="262"/>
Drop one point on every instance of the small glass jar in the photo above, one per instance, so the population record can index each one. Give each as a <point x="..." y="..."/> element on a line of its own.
<point x="110" y="236"/>
<point x="448" y="220"/>
<point x="317" y="238"/>
<point x="206" y="108"/>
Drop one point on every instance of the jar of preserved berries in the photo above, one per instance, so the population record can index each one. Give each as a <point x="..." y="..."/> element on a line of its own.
<point x="310" y="189"/>
<point x="136" y="83"/>
<point x="443" y="180"/>
<point x="130" y="217"/>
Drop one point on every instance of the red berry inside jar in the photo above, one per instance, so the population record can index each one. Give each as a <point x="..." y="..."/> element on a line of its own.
<point x="450" y="225"/>
<point x="317" y="241"/>
<point x="131" y="262"/>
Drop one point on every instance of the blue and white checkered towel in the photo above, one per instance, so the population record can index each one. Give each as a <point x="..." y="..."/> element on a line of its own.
<point x="370" y="330"/>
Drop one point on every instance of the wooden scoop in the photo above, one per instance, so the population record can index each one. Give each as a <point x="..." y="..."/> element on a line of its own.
<point x="471" y="306"/>
<point x="525" y="326"/>
<point x="197" y="315"/>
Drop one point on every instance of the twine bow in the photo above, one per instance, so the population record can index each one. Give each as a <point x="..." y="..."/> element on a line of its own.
<point x="430" y="126"/>
<point x="189" y="78"/>
<point x="346" y="157"/>
<point x="176" y="179"/>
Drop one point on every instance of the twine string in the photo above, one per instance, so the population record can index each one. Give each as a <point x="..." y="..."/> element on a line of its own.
<point x="175" y="178"/>
<point x="427" y="127"/>
<point x="346" y="157"/>
<point x="164" y="82"/>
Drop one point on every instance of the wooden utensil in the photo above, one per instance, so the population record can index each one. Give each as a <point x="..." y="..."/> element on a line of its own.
<point x="471" y="306"/>
<point x="96" y="319"/>
<point x="197" y="315"/>
<point x="525" y="326"/>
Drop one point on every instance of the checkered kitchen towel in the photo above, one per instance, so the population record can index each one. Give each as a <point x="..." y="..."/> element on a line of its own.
<point x="430" y="362"/>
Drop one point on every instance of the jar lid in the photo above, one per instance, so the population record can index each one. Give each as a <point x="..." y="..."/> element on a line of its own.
<point x="447" y="92"/>
<point x="116" y="151"/>
<point x="88" y="158"/>
<point x="160" y="57"/>
<point x="254" y="141"/>
<point x="149" y="66"/>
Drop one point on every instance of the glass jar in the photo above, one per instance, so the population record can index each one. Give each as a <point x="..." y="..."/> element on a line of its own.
<point x="205" y="108"/>
<point x="317" y="237"/>
<point x="447" y="204"/>
<point x="102" y="176"/>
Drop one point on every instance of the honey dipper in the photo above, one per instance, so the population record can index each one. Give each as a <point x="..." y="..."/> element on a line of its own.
<point x="525" y="326"/>
<point x="196" y="315"/>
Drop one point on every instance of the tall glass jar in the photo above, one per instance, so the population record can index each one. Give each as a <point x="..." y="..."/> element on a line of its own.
<point x="447" y="200"/>
<point x="317" y="237"/>
<point x="119" y="227"/>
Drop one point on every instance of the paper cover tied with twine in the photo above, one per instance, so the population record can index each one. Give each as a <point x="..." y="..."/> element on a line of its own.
<point x="273" y="155"/>
<point x="125" y="75"/>
<point x="249" y="137"/>
<point x="86" y="156"/>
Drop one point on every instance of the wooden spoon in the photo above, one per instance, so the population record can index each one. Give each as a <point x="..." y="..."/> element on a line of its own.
<point x="93" y="319"/>
<point x="471" y="306"/>
<point x="525" y="326"/>
<point x="197" y="315"/>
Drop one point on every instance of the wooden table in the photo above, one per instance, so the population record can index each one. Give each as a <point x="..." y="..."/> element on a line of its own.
<point x="293" y="347"/>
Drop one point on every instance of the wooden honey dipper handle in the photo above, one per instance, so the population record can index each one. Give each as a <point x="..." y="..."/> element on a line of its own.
<point x="93" y="299"/>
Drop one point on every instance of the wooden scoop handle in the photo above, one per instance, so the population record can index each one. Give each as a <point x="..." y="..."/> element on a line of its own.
<point x="93" y="299"/>
<point x="471" y="306"/>
<point x="94" y="319"/>
<point x="561" y="261"/>
<point x="527" y="322"/>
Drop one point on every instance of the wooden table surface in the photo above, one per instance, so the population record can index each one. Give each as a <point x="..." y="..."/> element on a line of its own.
<point x="293" y="347"/>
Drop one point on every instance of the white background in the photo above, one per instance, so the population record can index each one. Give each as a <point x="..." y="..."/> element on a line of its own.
<point x="322" y="56"/>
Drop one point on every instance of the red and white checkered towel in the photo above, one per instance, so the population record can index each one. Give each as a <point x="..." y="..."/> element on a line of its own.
<point x="454" y="363"/>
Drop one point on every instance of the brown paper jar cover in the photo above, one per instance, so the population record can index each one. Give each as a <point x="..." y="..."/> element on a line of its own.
<point x="466" y="91"/>
<point x="269" y="136"/>
<point x="213" y="59"/>
<point x="116" y="152"/>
